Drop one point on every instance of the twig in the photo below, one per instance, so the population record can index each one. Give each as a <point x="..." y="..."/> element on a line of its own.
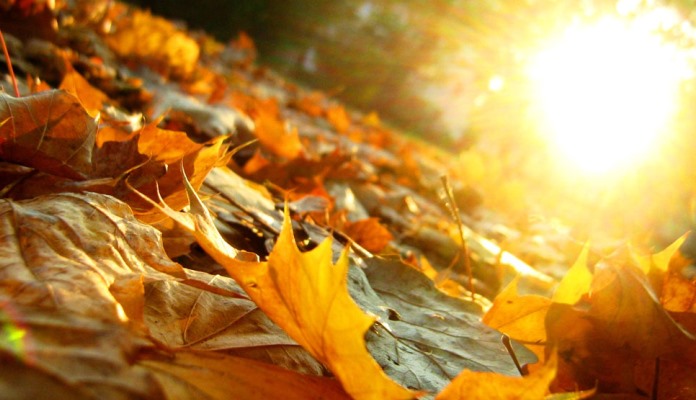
<point x="454" y="210"/>
<point x="9" y="64"/>
<point x="508" y="346"/>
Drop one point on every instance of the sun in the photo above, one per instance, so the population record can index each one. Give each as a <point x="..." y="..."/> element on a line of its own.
<point x="606" y="92"/>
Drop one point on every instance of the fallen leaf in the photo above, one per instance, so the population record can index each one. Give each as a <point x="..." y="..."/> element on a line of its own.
<point x="210" y="376"/>
<point x="311" y="104"/>
<point x="59" y="354"/>
<point x="678" y="293"/>
<point x="49" y="131"/>
<point x="305" y="294"/>
<point x="66" y="263"/>
<point x="520" y="317"/>
<point x="155" y="42"/>
<point x="91" y="98"/>
<point x="576" y="282"/>
<point x="271" y="130"/>
<point x="182" y="316"/>
<point x="619" y="327"/>
<point x="369" y="233"/>
<point x="338" y="117"/>
<point x="428" y="337"/>
<point x="471" y="385"/>
<point x="659" y="261"/>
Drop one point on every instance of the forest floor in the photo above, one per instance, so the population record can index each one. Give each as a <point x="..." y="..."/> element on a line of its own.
<point x="180" y="222"/>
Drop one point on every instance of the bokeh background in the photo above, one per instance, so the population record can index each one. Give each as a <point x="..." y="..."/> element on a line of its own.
<point x="451" y="72"/>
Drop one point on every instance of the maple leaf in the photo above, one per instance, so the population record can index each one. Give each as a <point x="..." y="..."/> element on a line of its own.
<point x="91" y="98"/>
<point x="620" y="327"/>
<point x="49" y="131"/>
<point x="307" y="295"/>
<point x="576" y="282"/>
<point x="487" y="385"/>
<point x="369" y="233"/>
<point x="520" y="317"/>
<point x="270" y="128"/>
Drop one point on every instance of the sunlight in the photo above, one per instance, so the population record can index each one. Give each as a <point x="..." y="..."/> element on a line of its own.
<point x="606" y="92"/>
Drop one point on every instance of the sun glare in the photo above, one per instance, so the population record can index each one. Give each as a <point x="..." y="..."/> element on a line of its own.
<point x="606" y="92"/>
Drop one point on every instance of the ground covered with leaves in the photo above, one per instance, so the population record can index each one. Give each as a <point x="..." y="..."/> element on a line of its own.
<point x="179" y="222"/>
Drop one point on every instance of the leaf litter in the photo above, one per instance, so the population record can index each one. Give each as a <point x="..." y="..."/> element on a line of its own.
<point x="335" y="299"/>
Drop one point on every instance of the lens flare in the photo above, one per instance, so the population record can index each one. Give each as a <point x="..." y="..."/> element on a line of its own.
<point x="606" y="92"/>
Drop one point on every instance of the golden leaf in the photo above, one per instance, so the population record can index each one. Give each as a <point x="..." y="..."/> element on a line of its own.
<point x="306" y="295"/>
<point x="520" y="317"/>
<point x="470" y="385"/>
<point x="576" y="282"/>
<point x="92" y="99"/>
<point x="155" y="42"/>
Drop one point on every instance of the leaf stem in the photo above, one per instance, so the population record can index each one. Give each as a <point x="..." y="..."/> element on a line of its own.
<point x="9" y="64"/>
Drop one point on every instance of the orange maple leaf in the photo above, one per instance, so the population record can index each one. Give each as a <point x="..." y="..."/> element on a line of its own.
<point x="306" y="295"/>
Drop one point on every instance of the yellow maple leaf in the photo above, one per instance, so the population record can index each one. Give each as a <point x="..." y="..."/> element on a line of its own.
<point x="576" y="282"/>
<point x="306" y="295"/>
<point x="520" y="317"/>
<point x="491" y="386"/>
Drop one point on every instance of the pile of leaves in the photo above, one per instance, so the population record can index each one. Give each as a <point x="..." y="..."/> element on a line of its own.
<point x="177" y="222"/>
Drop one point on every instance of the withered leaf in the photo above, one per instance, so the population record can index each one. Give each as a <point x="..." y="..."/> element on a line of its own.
<point x="49" y="131"/>
<point x="485" y="385"/>
<point x="619" y="327"/>
<point x="182" y="316"/>
<point x="430" y="337"/>
<point x="307" y="295"/>
<point x="213" y="376"/>
<point x="91" y="98"/>
<point x="70" y="278"/>
<point x="369" y="233"/>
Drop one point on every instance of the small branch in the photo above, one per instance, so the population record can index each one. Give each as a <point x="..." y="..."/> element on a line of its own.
<point x="454" y="210"/>
<point x="9" y="64"/>
<point x="508" y="346"/>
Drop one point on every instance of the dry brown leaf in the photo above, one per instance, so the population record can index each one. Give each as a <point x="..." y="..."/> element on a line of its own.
<point x="369" y="233"/>
<point x="209" y="314"/>
<point x="66" y="250"/>
<point x="678" y="293"/>
<point x="71" y="273"/>
<point x="49" y="131"/>
<point x="53" y="133"/>
<point x="211" y="376"/>
<point x="619" y="327"/>
<point x="311" y="104"/>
